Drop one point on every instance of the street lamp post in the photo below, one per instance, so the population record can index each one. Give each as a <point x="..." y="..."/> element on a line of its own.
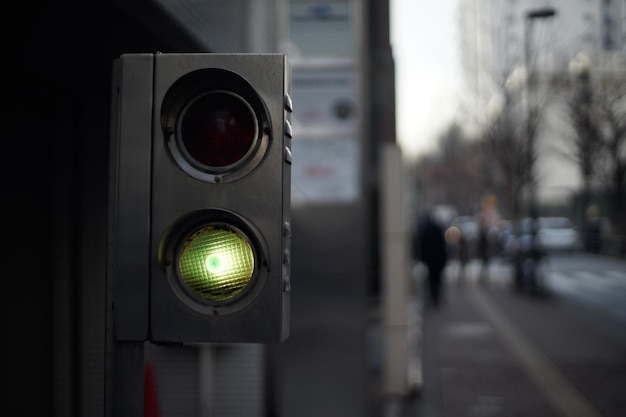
<point x="529" y="17"/>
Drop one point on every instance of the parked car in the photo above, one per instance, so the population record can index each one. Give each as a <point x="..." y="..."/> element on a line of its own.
<point x="515" y="237"/>
<point x="553" y="234"/>
<point x="558" y="234"/>
<point x="468" y="226"/>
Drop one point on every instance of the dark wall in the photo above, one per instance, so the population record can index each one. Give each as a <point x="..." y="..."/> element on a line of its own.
<point x="58" y="76"/>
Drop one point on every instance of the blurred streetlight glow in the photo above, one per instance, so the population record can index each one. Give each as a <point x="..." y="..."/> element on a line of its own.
<point x="580" y="64"/>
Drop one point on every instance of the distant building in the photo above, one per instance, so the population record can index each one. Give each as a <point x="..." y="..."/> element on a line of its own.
<point x="493" y="37"/>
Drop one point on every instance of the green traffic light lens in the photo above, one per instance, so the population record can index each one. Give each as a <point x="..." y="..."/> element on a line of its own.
<point x="216" y="263"/>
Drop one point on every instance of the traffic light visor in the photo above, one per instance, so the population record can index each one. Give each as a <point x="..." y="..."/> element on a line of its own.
<point x="216" y="262"/>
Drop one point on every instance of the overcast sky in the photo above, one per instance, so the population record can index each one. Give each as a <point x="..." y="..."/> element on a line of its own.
<point x="425" y="48"/>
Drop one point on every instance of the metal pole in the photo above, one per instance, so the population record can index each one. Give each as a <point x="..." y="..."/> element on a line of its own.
<point x="529" y="131"/>
<point x="124" y="370"/>
<point x="541" y="13"/>
<point x="530" y="178"/>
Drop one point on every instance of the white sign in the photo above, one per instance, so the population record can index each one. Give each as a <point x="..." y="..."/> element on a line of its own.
<point x="325" y="146"/>
<point x="325" y="171"/>
<point x="325" y="100"/>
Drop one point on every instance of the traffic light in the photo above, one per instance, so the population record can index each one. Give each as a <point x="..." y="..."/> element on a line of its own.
<point x="199" y="247"/>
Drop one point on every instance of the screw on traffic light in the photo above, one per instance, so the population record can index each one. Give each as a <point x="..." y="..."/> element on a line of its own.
<point x="199" y="231"/>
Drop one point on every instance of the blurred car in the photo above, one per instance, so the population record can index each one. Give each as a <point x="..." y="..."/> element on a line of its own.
<point x="515" y="237"/>
<point x="558" y="234"/>
<point x="468" y="226"/>
<point x="553" y="234"/>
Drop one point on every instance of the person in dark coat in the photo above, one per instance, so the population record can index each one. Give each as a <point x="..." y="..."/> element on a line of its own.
<point x="433" y="252"/>
<point x="484" y="251"/>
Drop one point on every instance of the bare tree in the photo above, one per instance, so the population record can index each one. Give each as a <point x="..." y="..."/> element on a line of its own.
<point x="464" y="167"/>
<point x="597" y="116"/>
<point x="586" y="140"/>
<point x="453" y="175"/>
<point x="504" y="145"/>
<point x="511" y="141"/>
<point x="611" y="103"/>
<point x="586" y="143"/>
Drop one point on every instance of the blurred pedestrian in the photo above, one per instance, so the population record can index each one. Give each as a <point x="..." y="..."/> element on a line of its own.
<point x="463" y="255"/>
<point x="433" y="252"/>
<point x="457" y="247"/>
<point x="488" y="220"/>
<point x="484" y="251"/>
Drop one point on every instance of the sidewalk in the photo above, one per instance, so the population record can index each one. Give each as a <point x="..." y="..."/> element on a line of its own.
<point x="468" y="367"/>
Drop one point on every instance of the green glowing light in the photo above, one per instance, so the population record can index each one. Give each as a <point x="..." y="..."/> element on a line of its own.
<point x="216" y="263"/>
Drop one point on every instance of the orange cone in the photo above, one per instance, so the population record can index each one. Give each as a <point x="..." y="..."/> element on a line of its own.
<point x="150" y="394"/>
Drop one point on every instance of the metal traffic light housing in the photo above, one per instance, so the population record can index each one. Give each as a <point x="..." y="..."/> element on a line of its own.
<point x="201" y="164"/>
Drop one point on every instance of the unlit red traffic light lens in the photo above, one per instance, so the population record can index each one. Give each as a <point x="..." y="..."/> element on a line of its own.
<point x="216" y="263"/>
<point x="218" y="129"/>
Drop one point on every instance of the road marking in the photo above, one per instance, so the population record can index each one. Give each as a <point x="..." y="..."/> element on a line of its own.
<point x="586" y="275"/>
<point x="620" y="275"/>
<point x="582" y="284"/>
<point x="558" y="390"/>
